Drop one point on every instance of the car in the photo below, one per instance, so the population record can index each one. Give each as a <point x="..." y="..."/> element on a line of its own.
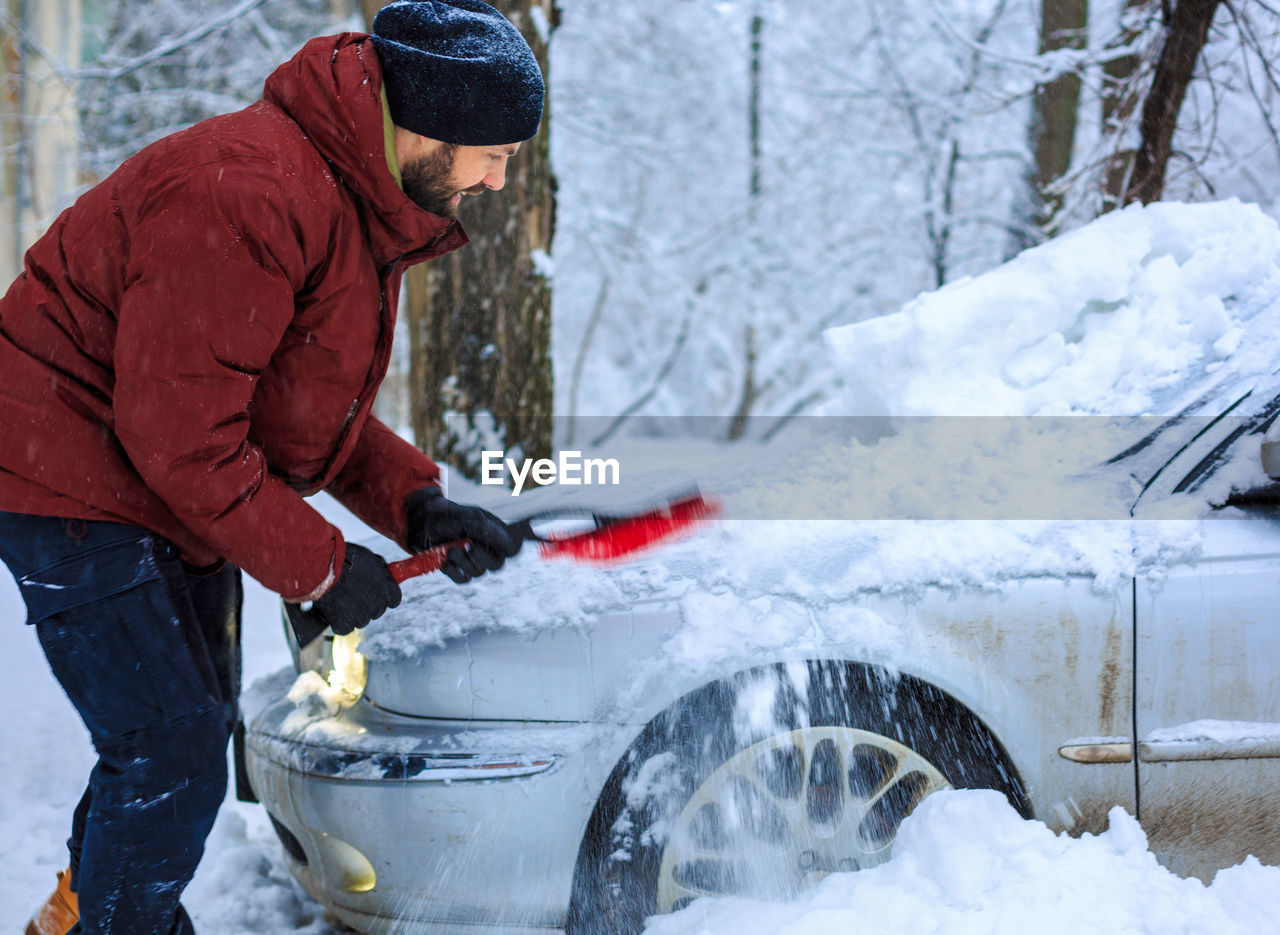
<point x="650" y="733"/>
<point x="1077" y="612"/>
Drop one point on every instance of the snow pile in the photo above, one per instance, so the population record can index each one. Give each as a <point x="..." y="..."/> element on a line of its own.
<point x="1121" y="317"/>
<point x="243" y="886"/>
<point x="965" y="863"/>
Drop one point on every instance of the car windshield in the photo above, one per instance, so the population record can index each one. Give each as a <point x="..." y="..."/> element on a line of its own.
<point x="1182" y="453"/>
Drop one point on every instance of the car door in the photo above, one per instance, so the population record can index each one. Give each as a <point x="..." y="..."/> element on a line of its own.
<point x="1207" y="700"/>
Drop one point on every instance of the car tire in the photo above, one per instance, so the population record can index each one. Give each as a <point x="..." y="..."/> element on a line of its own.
<point x="763" y="783"/>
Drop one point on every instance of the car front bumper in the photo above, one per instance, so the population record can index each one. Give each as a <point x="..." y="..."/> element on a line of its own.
<point x="440" y="825"/>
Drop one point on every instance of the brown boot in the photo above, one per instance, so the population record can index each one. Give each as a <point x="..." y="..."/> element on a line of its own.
<point x="59" y="912"/>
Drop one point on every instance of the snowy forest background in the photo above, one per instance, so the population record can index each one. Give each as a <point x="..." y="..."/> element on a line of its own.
<point x="732" y="177"/>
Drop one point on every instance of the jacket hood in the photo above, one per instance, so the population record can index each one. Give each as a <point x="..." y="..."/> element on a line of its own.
<point x="332" y="89"/>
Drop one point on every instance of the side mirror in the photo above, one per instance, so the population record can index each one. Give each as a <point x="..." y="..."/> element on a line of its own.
<point x="1271" y="451"/>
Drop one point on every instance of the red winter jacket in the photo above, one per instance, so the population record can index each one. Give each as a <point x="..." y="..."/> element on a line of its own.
<point x="195" y="344"/>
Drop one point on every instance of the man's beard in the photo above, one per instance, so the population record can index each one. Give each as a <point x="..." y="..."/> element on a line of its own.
<point x="429" y="182"/>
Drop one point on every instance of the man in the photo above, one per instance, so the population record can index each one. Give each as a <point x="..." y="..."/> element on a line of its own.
<point x="191" y="349"/>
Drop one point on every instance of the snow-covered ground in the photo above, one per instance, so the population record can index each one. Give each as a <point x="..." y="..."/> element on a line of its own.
<point x="1132" y="316"/>
<point x="964" y="863"/>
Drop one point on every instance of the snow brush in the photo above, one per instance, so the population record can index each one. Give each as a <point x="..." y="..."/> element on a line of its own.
<point x="611" y="538"/>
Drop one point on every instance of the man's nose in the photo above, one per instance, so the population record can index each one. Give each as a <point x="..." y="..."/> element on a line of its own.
<point x="496" y="179"/>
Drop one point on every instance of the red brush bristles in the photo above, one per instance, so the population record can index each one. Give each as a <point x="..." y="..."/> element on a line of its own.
<point x="624" y="537"/>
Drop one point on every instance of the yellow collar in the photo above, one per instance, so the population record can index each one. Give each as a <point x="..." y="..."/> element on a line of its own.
<point x="389" y="139"/>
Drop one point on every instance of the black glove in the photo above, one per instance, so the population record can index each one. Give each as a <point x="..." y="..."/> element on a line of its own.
<point x="363" y="592"/>
<point x="434" y="521"/>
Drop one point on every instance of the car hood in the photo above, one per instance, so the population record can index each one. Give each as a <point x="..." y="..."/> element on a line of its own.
<point x="811" y="533"/>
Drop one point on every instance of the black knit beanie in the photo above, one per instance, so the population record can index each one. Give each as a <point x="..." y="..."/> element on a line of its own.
<point x="458" y="71"/>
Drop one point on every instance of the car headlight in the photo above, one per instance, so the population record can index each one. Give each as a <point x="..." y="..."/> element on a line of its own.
<point x="350" y="668"/>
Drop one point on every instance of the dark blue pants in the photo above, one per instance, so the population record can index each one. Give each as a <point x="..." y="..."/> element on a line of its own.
<point x="148" y="652"/>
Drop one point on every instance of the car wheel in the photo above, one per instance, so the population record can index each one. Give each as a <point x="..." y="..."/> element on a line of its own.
<point x="762" y="784"/>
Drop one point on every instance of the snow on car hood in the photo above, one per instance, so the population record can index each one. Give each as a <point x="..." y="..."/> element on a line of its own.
<point x="1136" y="314"/>
<point x="740" y="587"/>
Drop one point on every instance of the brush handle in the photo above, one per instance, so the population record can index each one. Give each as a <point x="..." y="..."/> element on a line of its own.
<point x="422" y="563"/>
<point x="307" y="626"/>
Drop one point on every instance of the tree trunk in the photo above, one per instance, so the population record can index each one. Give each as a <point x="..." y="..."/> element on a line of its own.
<point x="1119" y="100"/>
<point x="369" y="9"/>
<point x="10" y="142"/>
<point x="1186" y="34"/>
<point x="480" y="343"/>
<point x="39" y="124"/>
<point x="750" y="391"/>
<point x="1063" y="25"/>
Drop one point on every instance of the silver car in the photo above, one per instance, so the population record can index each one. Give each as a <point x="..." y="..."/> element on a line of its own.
<point x="579" y="749"/>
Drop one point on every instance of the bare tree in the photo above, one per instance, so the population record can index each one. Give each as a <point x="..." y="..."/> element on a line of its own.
<point x="1138" y="76"/>
<point x="938" y="133"/>
<point x="1063" y="25"/>
<point x="11" y="130"/>
<point x="1158" y="59"/>
<point x="1186" y="31"/>
<point x="161" y="66"/>
<point x="1119" y="102"/>
<point x="38" y="125"/>
<point x="751" y="389"/>
<point x="772" y="176"/>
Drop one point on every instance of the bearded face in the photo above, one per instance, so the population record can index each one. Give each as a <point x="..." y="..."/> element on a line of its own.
<point x="431" y="183"/>
<point x="435" y="175"/>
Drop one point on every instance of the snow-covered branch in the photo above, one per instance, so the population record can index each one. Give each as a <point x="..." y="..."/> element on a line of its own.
<point x="165" y="49"/>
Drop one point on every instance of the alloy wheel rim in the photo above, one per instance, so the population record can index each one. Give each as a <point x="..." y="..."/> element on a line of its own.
<point x="788" y="810"/>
